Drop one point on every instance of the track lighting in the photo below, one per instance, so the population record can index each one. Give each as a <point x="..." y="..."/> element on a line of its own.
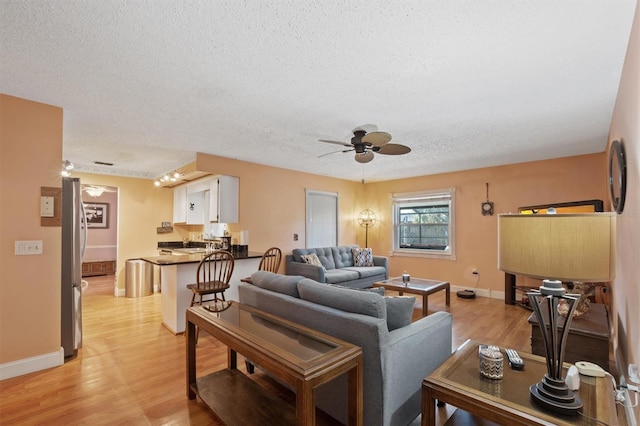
<point x="67" y="166"/>
<point x="168" y="177"/>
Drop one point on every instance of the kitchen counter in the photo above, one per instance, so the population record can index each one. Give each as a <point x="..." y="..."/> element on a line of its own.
<point x="196" y="258"/>
<point x="176" y="271"/>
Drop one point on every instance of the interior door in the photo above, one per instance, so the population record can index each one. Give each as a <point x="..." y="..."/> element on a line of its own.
<point x="322" y="219"/>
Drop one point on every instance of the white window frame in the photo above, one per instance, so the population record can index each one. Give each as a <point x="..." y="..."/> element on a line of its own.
<point x="407" y="199"/>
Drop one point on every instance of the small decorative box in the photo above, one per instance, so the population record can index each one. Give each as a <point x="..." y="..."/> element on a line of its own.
<point x="490" y="362"/>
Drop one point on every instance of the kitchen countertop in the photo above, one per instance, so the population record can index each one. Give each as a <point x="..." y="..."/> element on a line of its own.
<point x="195" y="258"/>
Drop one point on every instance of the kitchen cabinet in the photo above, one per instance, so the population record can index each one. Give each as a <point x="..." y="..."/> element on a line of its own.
<point x="180" y="204"/>
<point x="195" y="208"/>
<point x="188" y="204"/>
<point x="223" y="199"/>
<point x="207" y="200"/>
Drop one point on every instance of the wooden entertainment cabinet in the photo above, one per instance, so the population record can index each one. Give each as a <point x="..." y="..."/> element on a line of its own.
<point x="588" y="338"/>
<point x="98" y="267"/>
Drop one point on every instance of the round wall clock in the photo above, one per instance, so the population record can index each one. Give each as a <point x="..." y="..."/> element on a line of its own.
<point x="487" y="208"/>
<point x="617" y="175"/>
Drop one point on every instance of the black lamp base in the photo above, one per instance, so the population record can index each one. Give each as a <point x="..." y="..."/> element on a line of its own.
<point x="555" y="396"/>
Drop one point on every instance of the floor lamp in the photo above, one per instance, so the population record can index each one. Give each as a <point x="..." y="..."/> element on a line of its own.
<point x="556" y="248"/>
<point x="366" y="218"/>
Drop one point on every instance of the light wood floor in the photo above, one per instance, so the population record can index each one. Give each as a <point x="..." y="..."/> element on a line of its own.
<point x="131" y="370"/>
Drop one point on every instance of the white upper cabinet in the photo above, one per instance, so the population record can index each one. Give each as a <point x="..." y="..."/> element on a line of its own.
<point x="195" y="208"/>
<point x="180" y="204"/>
<point x="207" y="200"/>
<point x="223" y="199"/>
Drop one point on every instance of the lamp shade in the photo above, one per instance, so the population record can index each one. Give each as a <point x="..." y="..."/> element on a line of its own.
<point x="367" y="218"/>
<point x="566" y="247"/>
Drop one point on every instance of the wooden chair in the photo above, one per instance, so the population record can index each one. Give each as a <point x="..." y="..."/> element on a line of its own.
<point x="212" y="277"/>
<point x="271" y="260"/>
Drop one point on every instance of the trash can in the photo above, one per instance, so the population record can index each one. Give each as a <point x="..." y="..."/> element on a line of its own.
<point x="138" y="281"/>
<point x="154" y="270"/>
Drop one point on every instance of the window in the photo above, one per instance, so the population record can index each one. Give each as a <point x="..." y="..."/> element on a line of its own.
<point x="424" y="224"/>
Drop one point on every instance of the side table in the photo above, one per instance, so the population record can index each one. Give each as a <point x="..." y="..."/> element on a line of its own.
<point x="507" y="402"/>
<point x="588" y="338"/>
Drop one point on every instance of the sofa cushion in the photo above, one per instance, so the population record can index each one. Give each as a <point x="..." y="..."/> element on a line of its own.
<point x="345" y="299"/>
<point x="368" y="271"/>
<point x="286" y="284"/>
<point x="399" y="311"/>
<point x="325" y="254"/>
<point x="362" y="256"/>
<point x="334" y="276"/>
<point x="342" y="256"/>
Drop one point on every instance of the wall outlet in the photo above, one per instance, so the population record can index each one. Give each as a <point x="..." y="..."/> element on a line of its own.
<point x="295" y="237"/>
<point x="31" y="247"/>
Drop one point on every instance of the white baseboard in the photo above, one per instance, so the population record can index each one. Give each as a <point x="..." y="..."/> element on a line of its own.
<point x="30" y="365"/>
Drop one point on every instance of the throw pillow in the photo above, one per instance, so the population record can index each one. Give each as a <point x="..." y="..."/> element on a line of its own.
<point x="344" y="299"/>
<point x="362" y="256"/>
<point x="312" y="259"/>
<point x="399" y="311"/>
<point x="285" y="284"/>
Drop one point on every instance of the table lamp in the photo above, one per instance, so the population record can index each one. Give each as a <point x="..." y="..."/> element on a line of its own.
<point x="556" y="248"/>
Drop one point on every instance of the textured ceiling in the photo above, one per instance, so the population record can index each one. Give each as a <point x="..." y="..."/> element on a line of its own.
<point x="466" y="84"/>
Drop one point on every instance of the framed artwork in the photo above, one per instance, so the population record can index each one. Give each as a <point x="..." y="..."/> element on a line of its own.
<point x="587" y="206"/>
<point x="97" y="215"/>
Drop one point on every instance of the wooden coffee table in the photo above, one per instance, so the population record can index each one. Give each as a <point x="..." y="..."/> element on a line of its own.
<point x="507" y="401"/>
<point x="417" y="286"/>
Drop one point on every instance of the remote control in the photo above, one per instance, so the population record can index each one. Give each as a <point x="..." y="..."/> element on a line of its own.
<point x="515" y="361"/>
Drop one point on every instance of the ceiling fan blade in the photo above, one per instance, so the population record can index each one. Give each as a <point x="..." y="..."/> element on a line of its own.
<point x="365" y="157"/>
<point x="377" y="138"/>
<point x="335" y="142"/>
<point x="334" y="152"/>
<point x="394" y="149"/>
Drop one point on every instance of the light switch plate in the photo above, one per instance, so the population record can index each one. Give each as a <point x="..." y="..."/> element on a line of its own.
<point x="46" y="206"/>
<point x="25" y="248"/>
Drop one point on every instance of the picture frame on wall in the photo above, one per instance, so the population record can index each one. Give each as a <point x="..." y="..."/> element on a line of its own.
<point x="97" y="215"/>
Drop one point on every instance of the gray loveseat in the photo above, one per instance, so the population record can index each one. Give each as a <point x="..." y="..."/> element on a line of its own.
<point x="395" y="362"/>
<point x="337" y="267"/>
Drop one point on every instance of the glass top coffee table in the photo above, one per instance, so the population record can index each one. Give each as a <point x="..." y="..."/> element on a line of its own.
<point x="506" y="401"/>
<point x="417" y="286"/>
<point x="299" y="356"/>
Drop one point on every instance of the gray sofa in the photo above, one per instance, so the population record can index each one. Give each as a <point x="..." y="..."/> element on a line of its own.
<point x="337" y="267"/>
<point x="395" y="362"/>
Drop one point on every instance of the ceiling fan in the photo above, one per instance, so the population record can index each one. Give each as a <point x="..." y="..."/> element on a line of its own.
<point x="97" y="190"/>
<point x="366" y="141"/>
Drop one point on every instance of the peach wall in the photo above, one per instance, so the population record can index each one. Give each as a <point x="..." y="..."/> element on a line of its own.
<point x="30" y="158"/>
<point x="625" y="126"/>
<point x="543" y="182"/>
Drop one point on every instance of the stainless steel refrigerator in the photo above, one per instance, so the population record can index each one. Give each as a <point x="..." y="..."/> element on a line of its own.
<point x="74" y="238"/>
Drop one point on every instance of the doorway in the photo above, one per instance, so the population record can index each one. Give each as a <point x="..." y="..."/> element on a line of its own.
<point x="101" y="253"/>
<point x="321" y="219"/>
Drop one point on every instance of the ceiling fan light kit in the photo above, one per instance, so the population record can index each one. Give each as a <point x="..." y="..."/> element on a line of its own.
<point x="365" y="144"/>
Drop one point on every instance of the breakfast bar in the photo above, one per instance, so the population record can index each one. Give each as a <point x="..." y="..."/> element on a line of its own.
<point x="178" y="271"/>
